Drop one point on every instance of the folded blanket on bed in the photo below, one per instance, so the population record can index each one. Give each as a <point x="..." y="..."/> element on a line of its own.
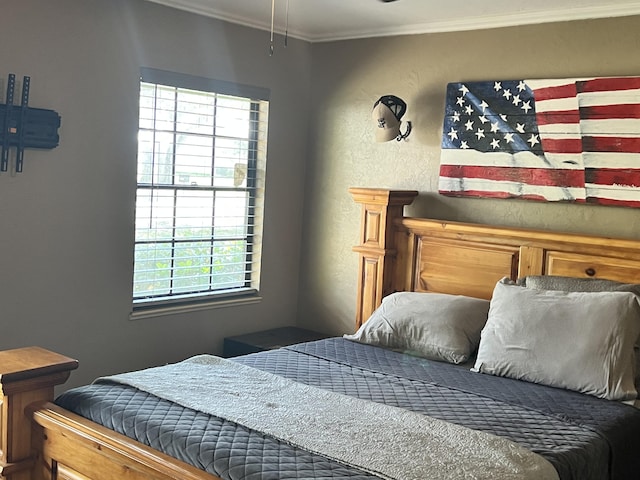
<point x="387" y="441"/>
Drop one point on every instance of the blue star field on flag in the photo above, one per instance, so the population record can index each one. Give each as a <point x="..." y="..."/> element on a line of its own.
<point x="491" y="117"/>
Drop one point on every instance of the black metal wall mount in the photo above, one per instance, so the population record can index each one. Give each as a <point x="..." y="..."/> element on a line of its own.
<point x="24" y="127"/>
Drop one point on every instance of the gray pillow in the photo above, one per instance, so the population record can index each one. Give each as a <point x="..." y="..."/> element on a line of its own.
<point x="432" y="325"/>
<point x="581" y="341"/>
<point x="571" y="284"/>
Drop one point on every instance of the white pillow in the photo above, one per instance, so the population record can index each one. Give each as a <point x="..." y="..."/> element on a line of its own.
<point x="431" y="325"/>
<point x="582" y="341"/>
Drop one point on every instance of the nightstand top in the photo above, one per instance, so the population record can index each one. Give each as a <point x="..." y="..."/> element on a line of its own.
<point x="269" y="340"/>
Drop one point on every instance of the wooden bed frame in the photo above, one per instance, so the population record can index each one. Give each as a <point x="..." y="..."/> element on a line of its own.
<point x="39" y="440"/>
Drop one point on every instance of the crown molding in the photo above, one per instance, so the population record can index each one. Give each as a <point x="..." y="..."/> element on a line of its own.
<point x="209" y="11"/>
<point x="465" y="24"/>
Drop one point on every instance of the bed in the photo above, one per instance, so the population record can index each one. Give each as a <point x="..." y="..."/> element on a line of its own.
<point x="358" y="407"/>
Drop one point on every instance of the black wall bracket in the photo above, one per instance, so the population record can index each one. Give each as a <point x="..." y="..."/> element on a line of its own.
<point x="24" y="127"/>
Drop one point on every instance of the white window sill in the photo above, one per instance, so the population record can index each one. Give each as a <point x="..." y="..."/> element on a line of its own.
<point x="164" y="310"/>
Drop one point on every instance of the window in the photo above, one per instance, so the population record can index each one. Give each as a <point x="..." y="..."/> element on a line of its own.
<point x="200" y="176"/>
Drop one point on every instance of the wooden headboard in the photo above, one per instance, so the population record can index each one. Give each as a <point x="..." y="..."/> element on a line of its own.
<point x="399" y="253"/>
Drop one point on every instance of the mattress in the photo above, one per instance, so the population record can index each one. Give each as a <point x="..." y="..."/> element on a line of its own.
<point x="583" y="437"/>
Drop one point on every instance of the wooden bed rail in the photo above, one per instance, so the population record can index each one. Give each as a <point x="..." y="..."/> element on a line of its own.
<point x="74" y="448"/>
<point x="27" y="375"/>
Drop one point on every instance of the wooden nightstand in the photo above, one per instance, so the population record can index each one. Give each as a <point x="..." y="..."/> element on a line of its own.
<point x="268" y="340"/>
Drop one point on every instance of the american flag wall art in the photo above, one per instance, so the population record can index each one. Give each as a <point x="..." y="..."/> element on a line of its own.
<point x="572" y="140"/>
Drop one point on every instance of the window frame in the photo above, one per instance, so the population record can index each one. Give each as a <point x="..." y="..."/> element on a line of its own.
<point x="154" y="305"/>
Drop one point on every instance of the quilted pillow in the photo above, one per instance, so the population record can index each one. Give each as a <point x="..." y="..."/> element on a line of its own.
<point x="431" y="325"/>
<point x="581" y="341"/>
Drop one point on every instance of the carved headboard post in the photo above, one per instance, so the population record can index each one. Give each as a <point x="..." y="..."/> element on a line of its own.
<point x="380" y="207"/>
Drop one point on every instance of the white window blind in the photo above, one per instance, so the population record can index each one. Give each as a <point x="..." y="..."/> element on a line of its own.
<point x="200" y="178"/>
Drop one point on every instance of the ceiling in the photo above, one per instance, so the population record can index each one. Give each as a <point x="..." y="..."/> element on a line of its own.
<point x="327" y="20"/>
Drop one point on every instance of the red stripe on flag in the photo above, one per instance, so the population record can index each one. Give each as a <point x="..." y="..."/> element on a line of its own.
<point x="494" y="194"/>
<point x="600" y="112"/>
<point x="551" y="93"/>
<point x="607" y="84"/>
<point x="628" y="177"/>
<point x="560" y="116"/>
<point x="490" y="194"/>
<point x="611" y="144"/>
<point x="555" y="145"/>
<point x="531" y="176"/>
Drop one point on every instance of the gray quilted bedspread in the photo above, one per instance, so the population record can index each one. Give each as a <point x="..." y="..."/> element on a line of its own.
<point x="585" y="438"/>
